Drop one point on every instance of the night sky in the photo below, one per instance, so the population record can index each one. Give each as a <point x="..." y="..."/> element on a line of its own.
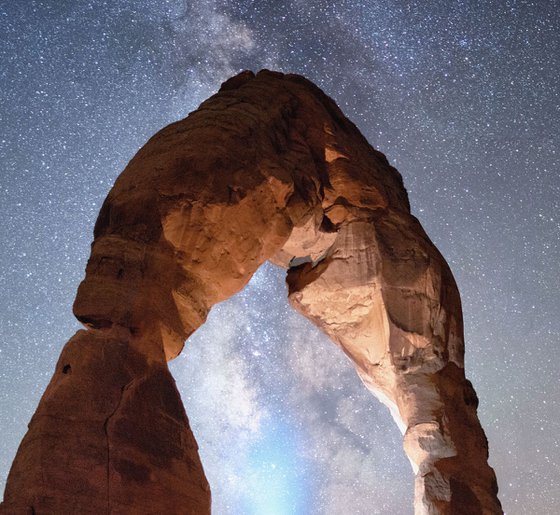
<point x="462" y="97"/>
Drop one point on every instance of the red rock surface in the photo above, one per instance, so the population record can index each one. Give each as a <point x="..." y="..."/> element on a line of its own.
<point x="267" y="169"/>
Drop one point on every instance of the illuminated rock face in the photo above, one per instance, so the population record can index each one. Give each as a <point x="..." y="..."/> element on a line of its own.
<point x="267" y="169"/>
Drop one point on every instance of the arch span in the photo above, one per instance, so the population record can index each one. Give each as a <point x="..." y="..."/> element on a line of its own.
<point x="267" y="169"/>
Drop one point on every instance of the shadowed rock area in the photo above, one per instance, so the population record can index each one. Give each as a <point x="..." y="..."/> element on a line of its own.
<point x="267" y="169"/>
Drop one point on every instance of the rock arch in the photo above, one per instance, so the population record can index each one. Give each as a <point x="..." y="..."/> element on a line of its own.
<point x="267" y="169"/>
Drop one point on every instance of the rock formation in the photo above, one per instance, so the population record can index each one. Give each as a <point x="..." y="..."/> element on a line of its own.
<point x="267" y="169"/>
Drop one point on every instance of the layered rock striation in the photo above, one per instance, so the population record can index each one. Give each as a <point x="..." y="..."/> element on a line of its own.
<point x="269" y="168"/>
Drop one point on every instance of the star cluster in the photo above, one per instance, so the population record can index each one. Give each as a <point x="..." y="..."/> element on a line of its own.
<point x="462" y="96"/>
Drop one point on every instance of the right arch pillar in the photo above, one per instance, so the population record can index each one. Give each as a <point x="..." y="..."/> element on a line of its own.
<point x="386" y="296"/>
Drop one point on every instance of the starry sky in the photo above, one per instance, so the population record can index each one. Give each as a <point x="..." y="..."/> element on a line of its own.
<point x="462" y="97"/>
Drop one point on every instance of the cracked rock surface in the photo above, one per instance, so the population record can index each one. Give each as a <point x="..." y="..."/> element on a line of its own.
<point x="267" y="169"/>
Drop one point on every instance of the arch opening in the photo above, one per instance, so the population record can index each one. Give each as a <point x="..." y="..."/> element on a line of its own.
<point x="259" y="374"/>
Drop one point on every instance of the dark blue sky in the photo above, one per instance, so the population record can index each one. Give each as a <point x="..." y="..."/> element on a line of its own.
<point x="462" y="96"/>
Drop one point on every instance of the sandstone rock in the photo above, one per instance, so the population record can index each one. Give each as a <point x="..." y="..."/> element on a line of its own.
<point x="267" y="169"/>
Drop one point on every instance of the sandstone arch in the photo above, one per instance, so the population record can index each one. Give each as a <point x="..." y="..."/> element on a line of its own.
<point x="267" y="169"/>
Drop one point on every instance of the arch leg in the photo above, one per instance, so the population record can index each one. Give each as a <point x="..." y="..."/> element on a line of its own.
<point x="387" y="297"/>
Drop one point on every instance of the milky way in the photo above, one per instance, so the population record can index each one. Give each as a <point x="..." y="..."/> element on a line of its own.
<point x="462" y="97"/>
